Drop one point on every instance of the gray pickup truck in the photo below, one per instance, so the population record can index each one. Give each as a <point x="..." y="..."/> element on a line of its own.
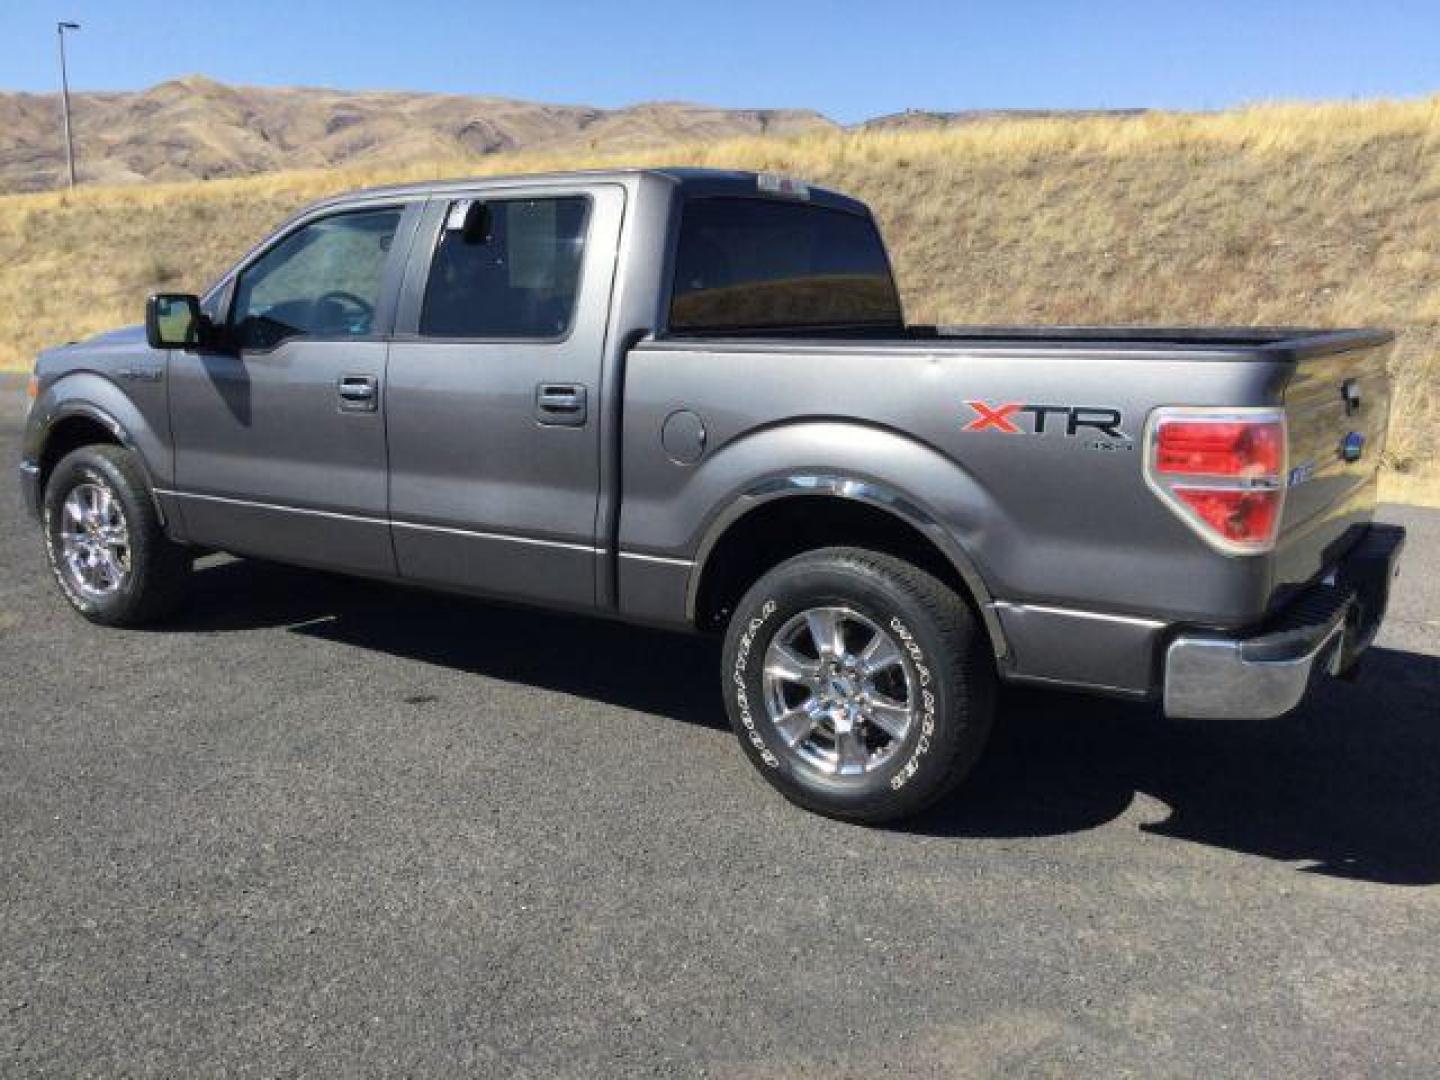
<point x="689" y="399"/>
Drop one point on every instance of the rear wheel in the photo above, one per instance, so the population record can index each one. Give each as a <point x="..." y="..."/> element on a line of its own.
<point x="860" y="686"/>
<point x="104" y="541"/>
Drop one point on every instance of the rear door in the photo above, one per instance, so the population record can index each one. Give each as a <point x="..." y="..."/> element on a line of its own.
<point x="493" y="392"/>
<point x="280" y="441"/>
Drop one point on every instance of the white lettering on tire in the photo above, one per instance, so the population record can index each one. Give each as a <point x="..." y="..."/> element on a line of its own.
<point x="927" y="703"/>
<point x="742" y="699"/>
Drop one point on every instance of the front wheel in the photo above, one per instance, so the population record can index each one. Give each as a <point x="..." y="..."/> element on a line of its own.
<point x="104" y="541"/>
<point x="860" y="686"/>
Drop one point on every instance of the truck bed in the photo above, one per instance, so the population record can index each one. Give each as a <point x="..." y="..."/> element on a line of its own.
<point x="1265" y="342"/>
<point x="1083" y="529"/>
<point x="1296" y="342"/>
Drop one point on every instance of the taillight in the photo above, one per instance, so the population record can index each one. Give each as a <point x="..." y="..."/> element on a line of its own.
<point x="1222" y="472"/>
<point x="1219" y="447"/>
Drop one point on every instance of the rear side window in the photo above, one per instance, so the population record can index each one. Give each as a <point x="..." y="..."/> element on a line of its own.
<point x="516" y="275"/>
<point x="760" y="264"/>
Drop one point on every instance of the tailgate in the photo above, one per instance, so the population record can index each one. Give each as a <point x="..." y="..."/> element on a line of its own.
<point x="1337" y="408"/>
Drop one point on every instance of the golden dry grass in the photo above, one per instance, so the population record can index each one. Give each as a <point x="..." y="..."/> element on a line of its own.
<point x="1319" y="214"/>
<point x="1419" y="487"/>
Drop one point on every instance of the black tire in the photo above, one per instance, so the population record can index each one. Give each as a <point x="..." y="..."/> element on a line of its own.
<point x="944" y="656"/>
<point x="155" y="568"/>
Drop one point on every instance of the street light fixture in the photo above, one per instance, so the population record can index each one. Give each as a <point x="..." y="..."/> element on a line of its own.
<point x="60" y="28"/>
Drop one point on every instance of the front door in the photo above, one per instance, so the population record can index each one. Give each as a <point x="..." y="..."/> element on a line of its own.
<point x="494" y="393"/>
<point x="280" y="442"/>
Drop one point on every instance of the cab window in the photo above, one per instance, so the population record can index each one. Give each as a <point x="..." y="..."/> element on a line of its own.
<point x="323" y="280"/>
<point x="506" y="269"/>
<point x="757" y="265"/>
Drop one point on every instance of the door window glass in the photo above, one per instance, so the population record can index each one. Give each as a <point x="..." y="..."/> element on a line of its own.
<point x="323" y="280"/>
<point x="512" y="271"/>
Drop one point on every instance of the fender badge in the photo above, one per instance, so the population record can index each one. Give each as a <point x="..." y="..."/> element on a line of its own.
<point x="142" y="374"/>
<point x="1069" y="420"/>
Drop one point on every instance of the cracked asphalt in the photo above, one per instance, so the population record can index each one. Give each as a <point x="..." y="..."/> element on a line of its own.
<point x="317" y="827"/>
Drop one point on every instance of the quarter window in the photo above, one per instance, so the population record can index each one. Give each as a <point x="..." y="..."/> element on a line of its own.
<point x="323" y="280"/>
<point x="506" y="269"/>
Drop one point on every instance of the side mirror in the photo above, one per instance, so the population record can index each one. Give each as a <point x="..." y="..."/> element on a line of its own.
<point x="174" y="321"/>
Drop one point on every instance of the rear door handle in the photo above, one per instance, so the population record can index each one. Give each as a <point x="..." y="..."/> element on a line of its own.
<point x="560" y="404"/>
<point x="359" y="393"/>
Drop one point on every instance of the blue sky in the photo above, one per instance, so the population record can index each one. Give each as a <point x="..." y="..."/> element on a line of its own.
<point x="849" y="60"/>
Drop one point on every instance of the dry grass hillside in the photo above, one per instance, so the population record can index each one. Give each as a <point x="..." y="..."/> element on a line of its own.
<point x="198" y="129"/>
<point x="1315" y="214"/>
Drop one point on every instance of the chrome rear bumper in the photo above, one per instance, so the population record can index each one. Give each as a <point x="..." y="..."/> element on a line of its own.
<point x="1268" y="673"/>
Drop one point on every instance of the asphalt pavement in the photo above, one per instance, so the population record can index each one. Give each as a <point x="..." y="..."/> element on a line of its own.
<point x="317" y="827"/>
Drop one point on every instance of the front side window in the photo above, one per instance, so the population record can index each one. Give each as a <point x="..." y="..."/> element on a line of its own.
<point x="506" y="269"/>
<point x="746" y="264"/>
<point x="322" y="280"/>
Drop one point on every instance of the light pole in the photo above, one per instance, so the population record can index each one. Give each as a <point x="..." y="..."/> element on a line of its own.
<point x="60" y="29"/>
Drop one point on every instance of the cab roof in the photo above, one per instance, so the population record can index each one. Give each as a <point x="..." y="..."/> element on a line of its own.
<point x="692" y="182"/>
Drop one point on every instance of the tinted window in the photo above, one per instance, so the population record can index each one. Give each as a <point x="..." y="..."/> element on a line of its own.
<point x="755" y="264"/>
<point x="323" y="280"/>
<point x="516" y="276"/>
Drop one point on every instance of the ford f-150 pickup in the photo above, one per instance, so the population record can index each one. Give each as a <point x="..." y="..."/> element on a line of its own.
<point x="690" y="399"/>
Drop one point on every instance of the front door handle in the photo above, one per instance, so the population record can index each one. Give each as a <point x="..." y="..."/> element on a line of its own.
<point x="560" y="404"/>
<point x="359" y="393"/>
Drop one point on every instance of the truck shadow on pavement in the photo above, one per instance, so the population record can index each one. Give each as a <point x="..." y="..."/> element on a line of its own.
<point x="591" y="658"/>
<point x="1348" y="787"/>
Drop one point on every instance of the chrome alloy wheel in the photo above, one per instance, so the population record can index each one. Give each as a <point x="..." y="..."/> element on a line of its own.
<point x="838" y="691"/>
<point x="94" y="540"/>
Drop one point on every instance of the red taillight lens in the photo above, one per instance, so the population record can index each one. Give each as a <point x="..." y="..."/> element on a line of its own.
<point x="1241" y="517"/>
<point x="1219" y="448"/>
<point x="1222" y="472"/>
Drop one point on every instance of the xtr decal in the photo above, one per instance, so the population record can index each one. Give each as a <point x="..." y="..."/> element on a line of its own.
<point x="1071" y="420"/>
<point x="997" y="417"/>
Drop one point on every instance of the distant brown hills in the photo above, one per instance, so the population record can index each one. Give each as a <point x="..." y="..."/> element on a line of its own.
<point x="920" y="119"/>
<point x="196" y="129"/>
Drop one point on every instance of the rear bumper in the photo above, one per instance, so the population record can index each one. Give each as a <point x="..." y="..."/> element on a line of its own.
<point x="30" y="488"/>
<point x="1323" y="632"/>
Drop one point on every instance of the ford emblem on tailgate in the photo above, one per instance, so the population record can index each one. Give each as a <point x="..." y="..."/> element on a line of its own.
<point x="1352" y="446"/>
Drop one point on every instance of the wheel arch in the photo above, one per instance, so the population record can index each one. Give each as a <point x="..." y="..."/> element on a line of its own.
<point x="77" y="422"/>
<point x="787" y="515"/>
<point x="77" y="426"/>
